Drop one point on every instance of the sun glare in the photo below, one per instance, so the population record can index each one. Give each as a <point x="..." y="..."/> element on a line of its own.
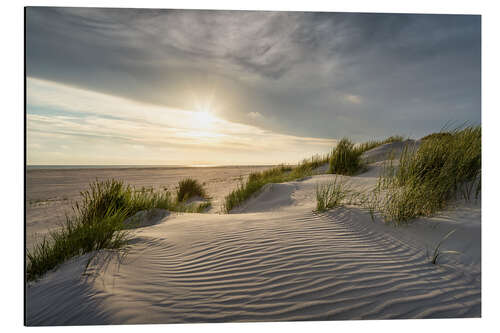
<point x="204" y="119"/>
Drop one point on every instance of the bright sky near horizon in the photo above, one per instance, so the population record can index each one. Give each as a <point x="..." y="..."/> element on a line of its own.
<point x="170" y="87"/>
<point x="81" y="127"/>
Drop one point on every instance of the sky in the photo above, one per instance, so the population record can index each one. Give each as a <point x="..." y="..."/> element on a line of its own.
<point x="192" y="87"/>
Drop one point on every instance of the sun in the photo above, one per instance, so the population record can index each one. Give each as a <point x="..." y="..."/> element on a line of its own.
<point x="205" y="118"/>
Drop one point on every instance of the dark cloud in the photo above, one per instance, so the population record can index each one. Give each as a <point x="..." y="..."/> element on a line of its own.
<point x="312" y="74"/>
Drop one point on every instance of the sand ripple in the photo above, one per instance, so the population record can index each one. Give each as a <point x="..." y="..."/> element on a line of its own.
<point x="257" y="267"/>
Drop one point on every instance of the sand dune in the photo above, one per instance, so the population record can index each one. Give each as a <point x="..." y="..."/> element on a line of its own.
<point x="393" y="149"/>
<point x="272" y="260"/>
<point x="50" y="193"/>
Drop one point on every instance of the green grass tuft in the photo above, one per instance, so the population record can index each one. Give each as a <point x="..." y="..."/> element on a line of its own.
<point x="330" y="195"/>
<point x="113" y="195"/>
<point x="189" y="188"/>
<point x="443" y="168"/>
<point x="438" y="135"/>
<point x="254" y="183"/>
<point x="365" y="146"/>
<point x="98" y="223"/>
<point x="345" y="159"/>
<point x="77" y="237"/>
<point x="280" y="174"/>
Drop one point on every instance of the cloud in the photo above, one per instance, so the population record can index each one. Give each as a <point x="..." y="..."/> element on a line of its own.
<point x="353" y="99"/>
<point x="411" y="73"/>
<point x="92" y="125"/>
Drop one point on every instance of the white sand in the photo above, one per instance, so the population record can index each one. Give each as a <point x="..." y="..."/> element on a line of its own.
<point x="273" y="260"/>
<point x="50" y="193"/>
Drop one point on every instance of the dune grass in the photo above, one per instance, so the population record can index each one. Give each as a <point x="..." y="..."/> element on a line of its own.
<point x="446" y="166"/>
<point x="97" y="223"/>
<point x="280" y="174"/>
<point x="314" y="162"/>
<point x="112" y="195"/>
<point x="368" y="145"/>
<point x="331" y="195"/>
<point x="345" y="159"/>
<point x="438" y="135"/>
<point x="254" y="183"/>
<point x="437" y="250"/>
<point x="189" y="188"/>
<point x="77" y="237"/>
<point x="201" y="207"/>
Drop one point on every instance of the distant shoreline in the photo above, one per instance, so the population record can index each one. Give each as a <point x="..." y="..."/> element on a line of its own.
<point x="97" y="167"/>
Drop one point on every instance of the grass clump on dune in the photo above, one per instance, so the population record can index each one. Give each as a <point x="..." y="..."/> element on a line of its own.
<point x="345" y="159"/>
<point x="254" y="183"/>
<point x="279" y="174"/>
<point x="111" y="195"/>
<point x="438" y="135"/>
<point x="98" y="223"/>
<point x="314" y="162"/>
<point x="368" y="145"/>
<point x="446" y="166"/>
<point x="189" y="188"/>
<point x="77" y="237"/>
<point x="330" y="195"/>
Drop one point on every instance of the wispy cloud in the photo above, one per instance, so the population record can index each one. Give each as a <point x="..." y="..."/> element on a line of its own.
<point x="101" y="128"/>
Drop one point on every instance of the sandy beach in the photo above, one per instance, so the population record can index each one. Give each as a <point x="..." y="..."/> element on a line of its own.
<point x="271" y="259"/>
<point x="51" y="192"/>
